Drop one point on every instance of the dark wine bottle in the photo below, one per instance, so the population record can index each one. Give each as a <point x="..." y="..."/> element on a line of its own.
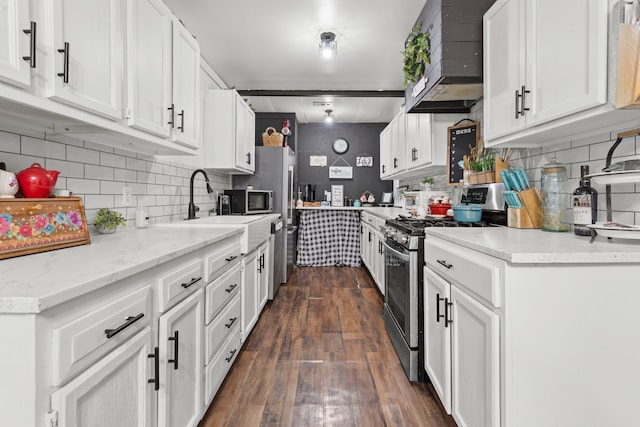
<point x="585" y="204"/>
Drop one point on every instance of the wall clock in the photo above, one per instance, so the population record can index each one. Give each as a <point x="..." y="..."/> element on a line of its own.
<point x="340" y="146"/>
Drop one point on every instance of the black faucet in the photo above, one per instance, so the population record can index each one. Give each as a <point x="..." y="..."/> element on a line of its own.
<point x="193" y="208"/>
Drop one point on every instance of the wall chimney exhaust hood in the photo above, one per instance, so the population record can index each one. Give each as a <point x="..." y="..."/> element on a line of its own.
<point x="452" y="82"/>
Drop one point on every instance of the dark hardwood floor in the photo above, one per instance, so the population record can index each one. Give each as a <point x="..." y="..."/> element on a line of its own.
<point x="320" y="356"/>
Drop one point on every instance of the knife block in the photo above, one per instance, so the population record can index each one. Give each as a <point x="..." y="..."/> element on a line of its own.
<point x="530" y="215"/>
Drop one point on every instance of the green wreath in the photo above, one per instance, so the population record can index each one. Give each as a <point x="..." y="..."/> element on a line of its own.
<point x="416" y="54"/>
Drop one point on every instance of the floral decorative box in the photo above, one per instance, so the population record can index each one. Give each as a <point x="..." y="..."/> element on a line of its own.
<point x="28" y="226"/>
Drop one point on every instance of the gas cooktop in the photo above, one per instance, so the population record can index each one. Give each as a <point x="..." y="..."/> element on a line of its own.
<point x="416" y="226"/>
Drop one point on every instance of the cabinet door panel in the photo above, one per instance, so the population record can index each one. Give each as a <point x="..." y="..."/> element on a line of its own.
<point x="94" y="56"/>
<point x="113" y="392"/>
<point x="475" y="360"/>
<point x="437" y="338"/>
<point x="186" y="86"/>
<point x="149" y="65"/>
<point x="504" y="66"/>
<point x="180" y="391"/>
<point x="250" y="283"/>
<point x="14" y="43"/>
<point x="566" y="66"/>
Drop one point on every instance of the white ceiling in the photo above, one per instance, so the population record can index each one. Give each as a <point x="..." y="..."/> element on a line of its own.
<point x="273" y="45"/>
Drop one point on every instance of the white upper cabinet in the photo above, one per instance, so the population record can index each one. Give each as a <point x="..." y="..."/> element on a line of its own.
<point x="15" y="42"/>
<point x="186" y="87"/>
<point x="544" y="61"/>
<point x="87" y="52"/>
<point x="385" y="153"/>
<point x="149" y="74"/>
<point x="418" y="143"/>
<point x="229" y="132"/>
<point x="398" y="139"/>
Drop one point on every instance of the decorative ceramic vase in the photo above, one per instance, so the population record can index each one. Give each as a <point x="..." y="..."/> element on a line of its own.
<point x="104" y="229"/>
<point x="8" y="185"/>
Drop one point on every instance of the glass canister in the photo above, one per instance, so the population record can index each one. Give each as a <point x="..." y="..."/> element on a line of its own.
<point x="555" y="201"/>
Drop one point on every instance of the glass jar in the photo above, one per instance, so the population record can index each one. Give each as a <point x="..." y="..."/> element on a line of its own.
<point x="555" y="199"/>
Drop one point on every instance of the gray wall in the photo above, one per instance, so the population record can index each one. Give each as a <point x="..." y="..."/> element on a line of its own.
<point x="364" y="139"/>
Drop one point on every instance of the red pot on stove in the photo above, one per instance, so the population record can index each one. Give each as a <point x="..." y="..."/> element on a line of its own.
<point x="439" y="208"/>
<point x="36" y="181"/>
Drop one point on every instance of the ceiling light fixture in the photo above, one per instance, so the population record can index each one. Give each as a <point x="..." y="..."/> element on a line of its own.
<point x="328" y="46"/>
<point x="328" y="116"/>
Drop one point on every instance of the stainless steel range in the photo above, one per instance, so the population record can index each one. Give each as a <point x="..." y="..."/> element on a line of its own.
<point x="403" y="310"/>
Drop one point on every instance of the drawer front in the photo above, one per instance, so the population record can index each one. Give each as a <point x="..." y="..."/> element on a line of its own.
<point x="176" y="284"/>
<point x="478" y="273"/>
<point x="80" y="343"/>
<point x="217" y="370"/>
<point x="220" y="328"/>
<point x="222" y="255"/>
<point x="221" y="291"/>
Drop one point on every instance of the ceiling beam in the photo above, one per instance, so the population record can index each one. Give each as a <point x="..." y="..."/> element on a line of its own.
<point x="320" y="93"/>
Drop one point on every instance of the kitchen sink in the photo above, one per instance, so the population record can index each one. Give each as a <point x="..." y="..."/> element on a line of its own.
<point x="256" y="228"/>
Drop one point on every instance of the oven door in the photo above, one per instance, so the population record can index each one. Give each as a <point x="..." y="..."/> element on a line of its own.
<point x="401" y="293"/>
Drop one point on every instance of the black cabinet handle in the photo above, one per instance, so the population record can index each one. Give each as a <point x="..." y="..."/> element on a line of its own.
<point x="193" y="281"/>
<point x="175" y="339"/>
<point x="231" y="322"/>
<point x="261" y="262"/>
<point x="447" y="312"/>
<point x="444" y="263"/>
<point x="65" y="71"/>
<point x="248" y="158"/>
<point x="414" y="154"/>
<point x="231" y="258"/>
<point x="523" y="100"/>
<point x="369" y="236"/>
<point x="130" y="320"/>
<point x="395" y="162"/>
<point x="173" y="118"/>
<point x="32" y="45"/>
<point x="231" y="288"/>
<point x="383" y="168"/>
<point x="517" y="101"/>
<point x="156" y="380"/>
<point x="181" y="115"/>
<point x="438" y="315"/>
<point x="228" y="359"/>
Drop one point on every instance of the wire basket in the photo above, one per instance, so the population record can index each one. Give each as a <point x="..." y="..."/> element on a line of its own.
<point x="273" y="139"/>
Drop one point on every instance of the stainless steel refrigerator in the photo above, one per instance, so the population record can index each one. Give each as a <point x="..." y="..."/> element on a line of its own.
<point x="275" y="171"/>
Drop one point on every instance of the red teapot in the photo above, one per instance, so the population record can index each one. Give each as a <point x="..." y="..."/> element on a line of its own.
<point x="36" y="181"/>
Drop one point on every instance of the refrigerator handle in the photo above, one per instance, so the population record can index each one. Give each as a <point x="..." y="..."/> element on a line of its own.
<point x="292" y="201"/>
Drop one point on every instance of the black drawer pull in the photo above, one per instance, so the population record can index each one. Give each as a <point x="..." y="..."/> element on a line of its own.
<point x="444" y="263"/>
<point x="231" y="288"/>
<point x="156" y="369"/>
<point x="231" y="322"/>
<point x="228" y="359"/>
<point x="128" y="322"/>
<point x="173" y="112"/>
<point x="65" y="71"/>
<point x="181" y="115"/>
<point x="231" y="258"/>
<point x="174" y="338"/>
<point x="193" y="281"/>
<point x="32" y="45"/>
<point x="447" y="312"/>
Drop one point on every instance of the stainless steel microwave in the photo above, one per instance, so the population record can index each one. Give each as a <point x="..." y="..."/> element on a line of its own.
<point x="247" y="202"/>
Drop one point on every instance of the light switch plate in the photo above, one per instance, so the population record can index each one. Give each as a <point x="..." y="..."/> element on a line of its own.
<point x="127" y="197"/>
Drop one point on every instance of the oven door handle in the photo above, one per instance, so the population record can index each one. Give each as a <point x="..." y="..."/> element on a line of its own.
<point x="402" y="256"/>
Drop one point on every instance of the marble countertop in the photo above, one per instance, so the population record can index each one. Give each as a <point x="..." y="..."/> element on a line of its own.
<point x="383" y="212"/>
<point x="33" y="283"/>
<point x="522" y="246"/>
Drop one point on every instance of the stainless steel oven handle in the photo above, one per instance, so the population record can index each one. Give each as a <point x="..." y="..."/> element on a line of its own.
<point x="402" y="256"/>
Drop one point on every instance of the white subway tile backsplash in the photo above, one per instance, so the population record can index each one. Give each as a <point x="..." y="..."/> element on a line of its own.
<point x="112" y="160"/>
<point x="145" y="177"/>
<point x="163" y="179"/>
<point x="80" y="186"/>
<point x="593" y="139"/>
<point x="39" y="147"/>
<point x="599" y="151"/>
<point x="99" y="201"/>
<point x="170" y="170"/>
<point x="136" y="164"/>
<point x="17" y="162"/>
<point x="155" y="189"/>
<point x="98" y="172"/>
<point x="82" y="155"/>
<point x="98" y="147"/>
<point x="137" y="188"/>
<point x="112" y="187"/>
<point x="9" y="142"/>
<point x="125" y="175"/>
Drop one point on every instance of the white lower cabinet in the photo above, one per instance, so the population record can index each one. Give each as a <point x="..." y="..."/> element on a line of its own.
<point x="181" y="347"/>
<point x="264" y="273"/>
<point x="113" y="392"/>
<point x="462" y="334"/>
<point x="372" y="248"/>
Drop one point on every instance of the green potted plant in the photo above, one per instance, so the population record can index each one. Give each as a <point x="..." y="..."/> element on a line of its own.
<point x="427" y="183"/>
<point x="416" y="54"/>
<point x="107" y="221"/>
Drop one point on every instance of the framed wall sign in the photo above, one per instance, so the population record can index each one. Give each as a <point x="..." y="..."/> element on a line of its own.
<point x="337" y="195"/>
<point x="461" y="139"/>
<point x="340" y="172"/>
<point x="364" y="161"/>
<point x="318" y="160"/>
